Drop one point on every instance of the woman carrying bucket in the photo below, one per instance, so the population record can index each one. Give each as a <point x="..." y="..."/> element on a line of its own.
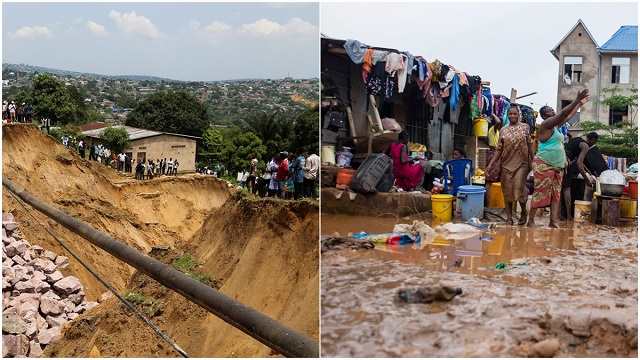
<point x="513" y="156"/>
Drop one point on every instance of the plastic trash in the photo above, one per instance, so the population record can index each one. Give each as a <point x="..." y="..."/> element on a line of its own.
<point x="501" y="266"/>
<point x="418" y="228"/>
<point x="457" y="228"/>
<point x="426" y="295"/>
<point x="475" y="222"/>
<point x="387" y="238"/>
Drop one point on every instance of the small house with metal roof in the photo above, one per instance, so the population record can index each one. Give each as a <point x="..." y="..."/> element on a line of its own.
<point x="154" y="145"/>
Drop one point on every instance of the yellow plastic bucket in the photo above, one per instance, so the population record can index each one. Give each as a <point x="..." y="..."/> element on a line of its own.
<point x="495" y="200"/>
<point x="628" y="208"/>
<point x="582" y="211"/>
<point x="480" y="127"/>
<point x="442" y="207"/>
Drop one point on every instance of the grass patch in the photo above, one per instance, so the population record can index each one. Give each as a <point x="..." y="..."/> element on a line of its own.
<point x="134" y="297"/>
<point x="187" y="265"/>
<point x="150" y="306"/>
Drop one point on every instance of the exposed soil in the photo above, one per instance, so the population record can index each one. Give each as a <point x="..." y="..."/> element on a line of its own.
<point x="564" y="292"/>
<point x="263" y="253"/>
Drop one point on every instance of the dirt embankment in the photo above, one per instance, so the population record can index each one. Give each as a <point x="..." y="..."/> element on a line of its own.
<point x="263" y="253"/>
<point x="164" y="211"/>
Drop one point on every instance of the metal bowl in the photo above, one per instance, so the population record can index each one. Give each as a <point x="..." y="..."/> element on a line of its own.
<point x="611" y="189"/>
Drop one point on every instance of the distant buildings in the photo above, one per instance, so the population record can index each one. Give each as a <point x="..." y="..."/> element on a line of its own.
<point x="602" y="69"/>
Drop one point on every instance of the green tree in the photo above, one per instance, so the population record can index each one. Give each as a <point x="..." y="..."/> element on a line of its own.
<point x="116" y="138"/>
<point x="52" y="99"/>
<point x="170" y="111"/>
<point x="305" y="131"/>
<point x="275" y="130"/>
<point x="616" y="101"/>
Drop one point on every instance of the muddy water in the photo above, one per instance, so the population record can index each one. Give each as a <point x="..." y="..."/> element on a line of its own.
<point x="577" y="284"/>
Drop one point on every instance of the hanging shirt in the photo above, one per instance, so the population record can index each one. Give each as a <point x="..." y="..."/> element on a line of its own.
<point x="355" y="49"/>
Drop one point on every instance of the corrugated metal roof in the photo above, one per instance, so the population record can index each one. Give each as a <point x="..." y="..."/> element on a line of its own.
<point x="134" y="133"/>
<point x="625" y="39"/>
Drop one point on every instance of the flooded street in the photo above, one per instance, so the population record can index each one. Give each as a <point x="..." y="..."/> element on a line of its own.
<point x="576" y="285"/>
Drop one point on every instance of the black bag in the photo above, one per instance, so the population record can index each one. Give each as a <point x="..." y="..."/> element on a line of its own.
<point x="336" y="120"/>
<point x="371" y="172"/>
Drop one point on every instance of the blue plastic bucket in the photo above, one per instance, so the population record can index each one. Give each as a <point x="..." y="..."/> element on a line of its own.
<point x="471" y="199"/>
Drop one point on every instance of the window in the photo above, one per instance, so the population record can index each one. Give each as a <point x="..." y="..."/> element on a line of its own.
<point x="572" y="69"/>
<point x="576" y="117"/>
<point x="178" y="146"/>
<point x="620" y="70"/>
<point x="618" y="115"/>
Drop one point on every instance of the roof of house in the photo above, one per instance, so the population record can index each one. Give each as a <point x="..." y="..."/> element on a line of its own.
<point x="625" y="39"/>
<point x="554" y="51"/>
<point x="134" y="133"/>
<point x="93" y="125"/>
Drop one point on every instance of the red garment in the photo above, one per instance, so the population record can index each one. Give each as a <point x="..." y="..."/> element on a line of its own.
<point x="283" y="170"/>
<point x="408" y="176"/>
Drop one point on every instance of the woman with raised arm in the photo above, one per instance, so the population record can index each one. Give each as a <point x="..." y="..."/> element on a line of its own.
<point x="550" y="160"/>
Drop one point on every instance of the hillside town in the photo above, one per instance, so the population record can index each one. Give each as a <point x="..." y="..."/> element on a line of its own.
<point x="114" y="96"/>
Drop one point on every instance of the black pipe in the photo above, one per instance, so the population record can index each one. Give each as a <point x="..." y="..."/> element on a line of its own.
<point x="255" y="324"/>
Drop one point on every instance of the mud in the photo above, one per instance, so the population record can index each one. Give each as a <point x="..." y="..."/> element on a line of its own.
<point x="576" y="285"/>
<point x="263" y="253"/>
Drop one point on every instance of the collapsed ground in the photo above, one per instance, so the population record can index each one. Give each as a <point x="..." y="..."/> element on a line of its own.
<point x="562" y="292"/>
<point x="263" y="253"/>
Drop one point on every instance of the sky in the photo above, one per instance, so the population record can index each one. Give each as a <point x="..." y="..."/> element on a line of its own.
<point x="506" y="43"/>
<point x="187" y="41"/>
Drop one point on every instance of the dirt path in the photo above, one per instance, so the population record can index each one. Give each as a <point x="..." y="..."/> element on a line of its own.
<point x="576" y="285"/>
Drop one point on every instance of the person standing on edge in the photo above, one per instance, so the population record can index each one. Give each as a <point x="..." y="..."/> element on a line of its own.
<point x="515" y="153"/>
<point x="273" y="188"/>
<point x="550" y="160"/>
<point x="283" y="172"/>
<point x="298" y="175"/>
<point x="170" y="167"/>
<point x="175" y="167"/>
<point x="253" y="173"/>
<point x="12" y="112"/>
<point x="311" y="167"/>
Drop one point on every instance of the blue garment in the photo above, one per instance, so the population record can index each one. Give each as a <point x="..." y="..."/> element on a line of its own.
<point x="489" y="108"/>
<point x="355" y="49"/>
<point x="422" y="70"/>
<point x="454" y="93"/>
<point x="298" y="169"/>
<point x="410" y="59"/>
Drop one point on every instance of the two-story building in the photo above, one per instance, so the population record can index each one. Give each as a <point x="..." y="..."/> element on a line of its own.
<point x="607" y="70"/>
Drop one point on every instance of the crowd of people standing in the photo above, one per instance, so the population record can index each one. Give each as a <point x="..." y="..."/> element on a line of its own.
<point x="286" y="176"/>
<point x="516" y="155"/>
<point x="12" y="112"/>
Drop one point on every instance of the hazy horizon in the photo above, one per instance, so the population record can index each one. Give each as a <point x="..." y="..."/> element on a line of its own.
<point x="184" y="42"/>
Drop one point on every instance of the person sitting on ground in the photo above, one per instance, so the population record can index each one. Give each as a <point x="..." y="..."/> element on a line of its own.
<point x="407" y="174"/>
<point x="550" y="159"/>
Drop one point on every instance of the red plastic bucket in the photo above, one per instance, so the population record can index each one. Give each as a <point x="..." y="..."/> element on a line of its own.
<point x="633" y="189"/>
